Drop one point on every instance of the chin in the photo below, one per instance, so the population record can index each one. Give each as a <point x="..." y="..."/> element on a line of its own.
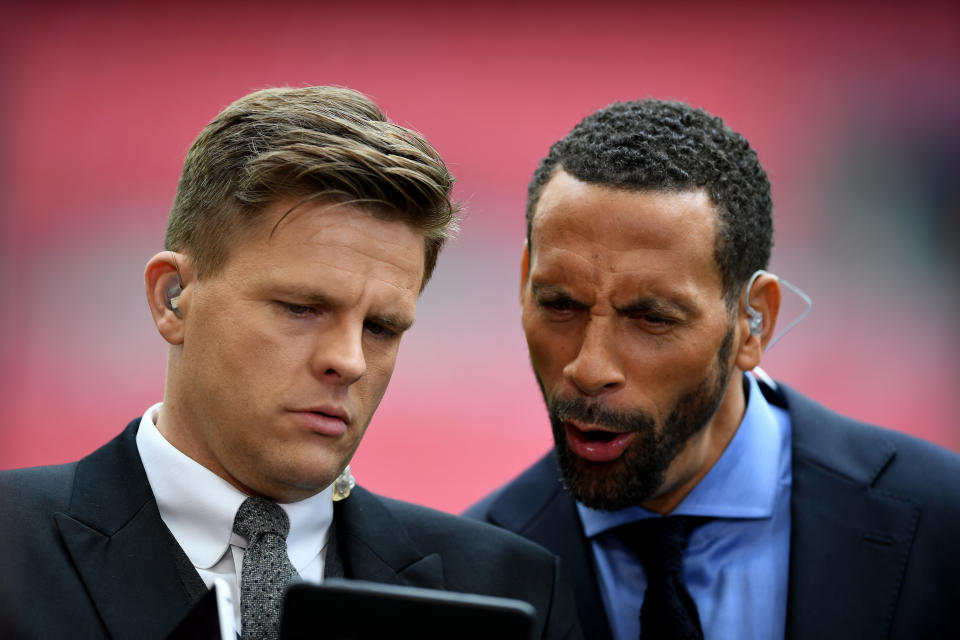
<point x="312" y="483"/>
<point x="607" y="486"/>
<point x="297" y="480"/>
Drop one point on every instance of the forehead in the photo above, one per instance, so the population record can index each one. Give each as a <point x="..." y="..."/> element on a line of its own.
<point x="584" y="230"/>
<point x="319" y="240"/>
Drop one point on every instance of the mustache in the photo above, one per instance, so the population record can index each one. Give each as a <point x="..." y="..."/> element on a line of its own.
<point x="595" y="413"/>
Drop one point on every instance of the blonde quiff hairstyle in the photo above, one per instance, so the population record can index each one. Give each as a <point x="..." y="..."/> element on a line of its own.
<point x="302" y="144"/>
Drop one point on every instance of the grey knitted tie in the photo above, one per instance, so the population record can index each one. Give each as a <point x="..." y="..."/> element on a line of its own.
<point x="266" y="567"/>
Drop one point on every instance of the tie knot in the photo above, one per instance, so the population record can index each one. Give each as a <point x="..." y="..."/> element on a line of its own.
<point x="659" y="543"/>
<point x="257" y="516"/>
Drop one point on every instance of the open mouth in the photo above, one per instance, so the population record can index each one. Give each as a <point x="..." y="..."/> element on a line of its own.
<point x="597" y="445"/>
<point x="599" y="436"/>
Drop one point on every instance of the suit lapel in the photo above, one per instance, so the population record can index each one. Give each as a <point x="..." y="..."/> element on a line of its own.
<point x="123" y="551"/>
<point x="540" y="510"/>
<point x="849" y="542"/>
<point x="373" y="545"/>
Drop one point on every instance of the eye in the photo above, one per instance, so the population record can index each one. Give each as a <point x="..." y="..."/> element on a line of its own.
<point x="378" y="330"/>
<point x="298" y="310"/>
<point x="654" y="322"/>
<point x="559" y="305"/>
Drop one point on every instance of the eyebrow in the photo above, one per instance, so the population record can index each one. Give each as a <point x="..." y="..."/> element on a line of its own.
<point x="658" y="305"/>
<point x="549" y="289"/>
<point x="308" y="296"/>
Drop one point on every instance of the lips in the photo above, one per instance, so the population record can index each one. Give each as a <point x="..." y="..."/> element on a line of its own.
<point x="327" y="421"/>
<point x="596" y="444"/>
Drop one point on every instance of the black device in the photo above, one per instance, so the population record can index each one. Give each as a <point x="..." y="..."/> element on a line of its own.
<point x="341" y="609"/>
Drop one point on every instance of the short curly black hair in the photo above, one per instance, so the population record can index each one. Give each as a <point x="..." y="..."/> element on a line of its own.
<point x="670" y="146"/>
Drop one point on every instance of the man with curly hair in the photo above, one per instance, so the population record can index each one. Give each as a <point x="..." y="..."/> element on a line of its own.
<point x="689" y="494"/>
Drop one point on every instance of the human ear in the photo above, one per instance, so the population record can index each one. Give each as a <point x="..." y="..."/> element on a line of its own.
<point x="524" y="267"/>
<point x="763" y="297"/>
<point x="164" y="288"/>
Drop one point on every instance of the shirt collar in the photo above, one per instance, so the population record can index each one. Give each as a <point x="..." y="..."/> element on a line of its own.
<point x="198" y="506"/>
<point x="741" y="484"/>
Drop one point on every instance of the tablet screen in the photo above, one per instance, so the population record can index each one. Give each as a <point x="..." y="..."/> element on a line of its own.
<point x="356" y="610"/>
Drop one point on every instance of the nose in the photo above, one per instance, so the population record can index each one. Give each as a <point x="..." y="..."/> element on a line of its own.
<point x="338" y="355"/>
<point x="596" y="368"/>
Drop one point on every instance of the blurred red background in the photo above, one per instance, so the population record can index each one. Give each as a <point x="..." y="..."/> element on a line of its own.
<point x="853" y="110"/>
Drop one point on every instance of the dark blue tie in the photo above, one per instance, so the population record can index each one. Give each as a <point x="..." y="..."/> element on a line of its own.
<point x="668" y="611"/>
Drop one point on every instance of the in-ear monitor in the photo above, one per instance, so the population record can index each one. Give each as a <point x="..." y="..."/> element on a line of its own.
<point x="172" y="295"/>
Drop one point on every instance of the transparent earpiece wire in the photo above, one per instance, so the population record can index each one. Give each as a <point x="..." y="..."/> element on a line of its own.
<point x="796" y="320"/>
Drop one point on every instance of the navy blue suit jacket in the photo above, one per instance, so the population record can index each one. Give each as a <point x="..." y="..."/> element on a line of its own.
<point x="874" y="541"/>
<point x="85" y="554"/>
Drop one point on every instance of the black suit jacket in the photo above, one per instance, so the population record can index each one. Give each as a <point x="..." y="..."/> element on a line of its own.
<point x="874" y="540"/>
<point x="85" y="554"/>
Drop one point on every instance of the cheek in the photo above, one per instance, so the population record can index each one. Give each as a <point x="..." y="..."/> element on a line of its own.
<point x="667" y="366"/>
<point x="551" y="349"/>
<point x="376" y="386"/>
<point x="380" y="365"/>
<point x="535" y="336"/>
<point x="270" y="349"/>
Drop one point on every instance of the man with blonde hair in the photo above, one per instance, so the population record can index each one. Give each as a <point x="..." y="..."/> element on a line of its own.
<point x="304" y="228"/>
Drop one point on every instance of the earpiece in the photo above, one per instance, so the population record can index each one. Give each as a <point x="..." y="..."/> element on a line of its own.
<point x="755" y="322"/>
<point x="172" y="295"/>
<point x="755" y="318"/>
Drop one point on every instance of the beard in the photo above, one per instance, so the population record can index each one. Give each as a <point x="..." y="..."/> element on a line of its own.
<point x="638" y="473"/>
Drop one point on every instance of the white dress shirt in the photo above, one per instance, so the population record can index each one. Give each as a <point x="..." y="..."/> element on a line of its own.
<point x="198" y="507"/>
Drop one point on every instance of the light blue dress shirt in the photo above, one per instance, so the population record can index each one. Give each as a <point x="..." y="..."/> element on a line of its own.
<point x="736" y="565"/>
